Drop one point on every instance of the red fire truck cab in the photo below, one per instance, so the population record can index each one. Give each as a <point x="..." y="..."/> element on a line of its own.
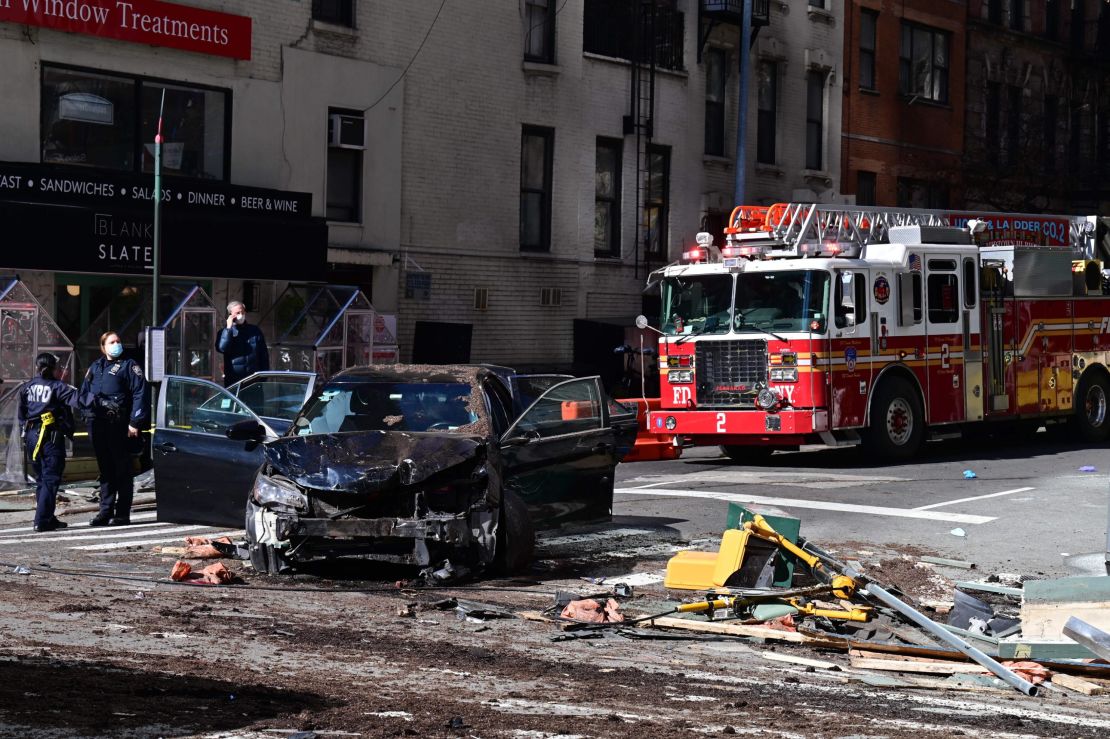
<point x="839" y="325"/>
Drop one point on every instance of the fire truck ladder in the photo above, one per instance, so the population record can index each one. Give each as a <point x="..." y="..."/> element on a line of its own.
<point x="792" y="224"/>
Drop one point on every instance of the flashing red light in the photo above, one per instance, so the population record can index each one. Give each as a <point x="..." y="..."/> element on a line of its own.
<point x="729" y="252"/>
<point x="684" y="361"/>
<point x="693" y="255"/>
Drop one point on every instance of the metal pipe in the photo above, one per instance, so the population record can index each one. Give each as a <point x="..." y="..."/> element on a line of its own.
<point x="880" y="594"/>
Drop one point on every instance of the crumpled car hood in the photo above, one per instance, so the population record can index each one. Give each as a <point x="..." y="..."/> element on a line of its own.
<point x="370" y="461"/>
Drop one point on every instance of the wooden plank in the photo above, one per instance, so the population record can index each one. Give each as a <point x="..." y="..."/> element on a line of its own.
<point x="934" y="668"/>
<point x="725" y="627"/>
<point x="804" y="661"/>
<point x="902" y="682"/>
<point x="1041" y="621"/>
<point x="869" y="654"/>
<point x="1038" y="650"/>
<point x="959" y="563"/>
<point x="1079" y="685"/>
<point x="986" y="587"/>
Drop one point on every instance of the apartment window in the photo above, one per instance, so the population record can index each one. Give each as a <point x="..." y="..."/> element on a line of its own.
<point x="991" y="127"/>
<point x="607" y="198"/>
<point x="346" y="141"/>
<point x="609" y="29"/>
<point x="340" y="12"/>
<point x="914" y="193"/>
<point x="108" y="121"/>
<point x="1051" y="114"/>
<point x="817" y="4"/>
<point x="994" y="11"/>
<point x="539" y="31"/>
<point x="815" y="119"/>
<point x="715" y="67"/>
<point x="1017" y="15"/>
<point x="657" y="201"/>
<point x="868" y="21"/>
<point x="1051" y="19"/>
<point x="536" y="152"/>
<point x="768" y="94"/>
<point x="923" y="63"/>
<point x="865" y="188"/>
<point x="1013" y="125"/>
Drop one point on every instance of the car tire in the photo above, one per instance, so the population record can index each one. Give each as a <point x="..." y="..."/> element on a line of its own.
<point x="516" y="536"/>
<point x="897" y="425"/>
<point x="747" y="454"/>
<point x="1091" y="419"/>
<point x="265" y="559"/>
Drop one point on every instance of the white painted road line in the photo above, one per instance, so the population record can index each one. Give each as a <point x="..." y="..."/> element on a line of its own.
<point x="144" y="542"/>
<point x="113" y="533"/>
<point x="75" y="528"/>
<point x="967" y="500"/>
<point x="556" y="541"/>
<point x="811" y="504"/>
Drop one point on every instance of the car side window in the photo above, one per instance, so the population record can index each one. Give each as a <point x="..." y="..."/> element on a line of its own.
<point x="569" y="408"/>
<point x="274" y="397"/>
<point x="201" y="407"/>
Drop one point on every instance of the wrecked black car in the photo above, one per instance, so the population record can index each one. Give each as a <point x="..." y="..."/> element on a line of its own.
<point x="407" y="464"/>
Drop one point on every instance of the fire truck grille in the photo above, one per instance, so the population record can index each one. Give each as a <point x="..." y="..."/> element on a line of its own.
<point x="730" y="373"/>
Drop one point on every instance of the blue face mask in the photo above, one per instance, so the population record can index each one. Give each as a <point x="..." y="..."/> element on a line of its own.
<point x="114" y="350"/>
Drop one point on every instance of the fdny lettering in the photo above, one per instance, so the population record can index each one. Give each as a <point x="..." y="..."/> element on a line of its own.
<point x="682" y="395"/>
<point x="1105" y="327"/>
<point x="786" y="392"/>
<point x="39" y="394"/>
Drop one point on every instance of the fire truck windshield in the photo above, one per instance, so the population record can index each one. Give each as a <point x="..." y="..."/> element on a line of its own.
<point x="793" y="300"/>
<point x="698" y="304"/>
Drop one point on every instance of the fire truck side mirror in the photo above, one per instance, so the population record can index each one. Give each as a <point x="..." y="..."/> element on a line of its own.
<point x="642" y="323"/>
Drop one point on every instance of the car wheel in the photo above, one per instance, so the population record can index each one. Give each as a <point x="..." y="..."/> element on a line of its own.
<point x="747" y="454"/>
<point x="897" y="427"/>
<point x="1091" y="421"/>
<point x="265" y="559"/>
<point x="516" y="536"/>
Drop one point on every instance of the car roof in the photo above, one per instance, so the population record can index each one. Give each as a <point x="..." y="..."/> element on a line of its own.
<point x="468" y="373"/>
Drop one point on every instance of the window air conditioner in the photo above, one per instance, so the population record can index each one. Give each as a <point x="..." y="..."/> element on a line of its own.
<point x="346" y="131"/>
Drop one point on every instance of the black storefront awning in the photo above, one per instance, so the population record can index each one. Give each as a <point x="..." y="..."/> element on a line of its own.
<point x="77" y="220"/>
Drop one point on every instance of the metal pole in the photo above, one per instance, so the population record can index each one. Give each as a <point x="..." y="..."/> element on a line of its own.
<point x="157" y="210"/>
<point x="740" y="184"/>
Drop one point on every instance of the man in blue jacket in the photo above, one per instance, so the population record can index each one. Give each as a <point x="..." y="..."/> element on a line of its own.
<point x="243" y="346"/>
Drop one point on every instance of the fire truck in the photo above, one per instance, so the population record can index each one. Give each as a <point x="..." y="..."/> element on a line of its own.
<point x="842" y="325"/>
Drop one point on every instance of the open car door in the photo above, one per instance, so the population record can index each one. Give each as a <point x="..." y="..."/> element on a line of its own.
<point x="275" y="396"/>
<point x="560" y="454"/>
<point x="200" y="475"/>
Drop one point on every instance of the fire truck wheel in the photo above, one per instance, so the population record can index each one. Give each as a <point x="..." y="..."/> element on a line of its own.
<point x="1091" y="421"/>
<point x="516" y="537"/>
<point x="748" y="454"/>
<point x="897" y="426"/>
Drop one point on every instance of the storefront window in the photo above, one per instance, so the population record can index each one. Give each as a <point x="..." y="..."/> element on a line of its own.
<point x="88" y="119"/>
<point x="108" y="121"/>
<point x="192" y="129"/>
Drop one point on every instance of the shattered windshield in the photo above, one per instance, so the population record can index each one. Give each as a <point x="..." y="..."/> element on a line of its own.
<point x="388" y="406"/>
<point x="698" y="304"/>
<point x="782" y="301"/>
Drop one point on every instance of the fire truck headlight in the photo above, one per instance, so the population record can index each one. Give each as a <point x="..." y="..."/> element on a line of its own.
<point x="767" y="399"/>
<point x="680" y="376"/>
<point x="784" y="374"/>
<point x="670" y="423"/>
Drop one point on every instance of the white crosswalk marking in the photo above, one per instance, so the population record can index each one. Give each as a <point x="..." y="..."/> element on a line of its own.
<point x="556" y="541"/>
<point x="109" y="533"/>
<point x="144" y="542"/>
<point x="819" y="505"/>
<point x="793" y="479"/>
<point x="24" y="531"/>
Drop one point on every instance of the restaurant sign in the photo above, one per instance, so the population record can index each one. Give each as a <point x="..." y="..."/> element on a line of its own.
<point x="141" y="21"/>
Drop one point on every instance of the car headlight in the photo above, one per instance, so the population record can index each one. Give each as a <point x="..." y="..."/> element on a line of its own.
<point x="675" y="376"/>
<point x="268" y="491"/>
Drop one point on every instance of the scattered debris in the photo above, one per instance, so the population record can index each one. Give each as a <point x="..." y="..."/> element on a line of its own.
<point x="1079" y="685"/>
<point x="958" y="532"/>
<point x="1096" y="640"/>
<point x="589" y="610"/>
<point x="1088" y="468"/>
<point x="21" y="570"/>
<point x="215" y="574"/>
<point x="958" y="563"/>
<point x="970" y="475"/>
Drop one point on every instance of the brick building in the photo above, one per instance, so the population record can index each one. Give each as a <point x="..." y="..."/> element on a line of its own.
<point x="903" y="122"/>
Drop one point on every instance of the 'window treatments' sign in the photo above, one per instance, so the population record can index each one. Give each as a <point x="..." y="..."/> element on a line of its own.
<point x="141" y="21"/>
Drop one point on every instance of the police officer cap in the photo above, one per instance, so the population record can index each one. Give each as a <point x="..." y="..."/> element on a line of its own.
<point x="46" y="361"/>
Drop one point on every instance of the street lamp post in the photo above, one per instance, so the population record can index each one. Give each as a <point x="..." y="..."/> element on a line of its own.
<point x="157" y="210"/>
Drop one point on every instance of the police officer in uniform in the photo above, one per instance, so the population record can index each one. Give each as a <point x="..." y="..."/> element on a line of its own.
<point x="46" y="416"/>
<point x="114" y="399"/>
